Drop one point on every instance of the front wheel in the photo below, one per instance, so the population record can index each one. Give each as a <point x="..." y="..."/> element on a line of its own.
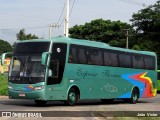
<point x="40" y="102"/>
<point x="72" y="97"/>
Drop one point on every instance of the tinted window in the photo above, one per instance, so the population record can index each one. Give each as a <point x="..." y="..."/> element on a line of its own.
<point x="82" y="55"/>
<point x="138" y="61"/>
<point x="107" y="59"/>
<point x="149" y="63"/>
<point x="96" y="56"/>
<point x="77" y="54"/>
<point x="125" y="60"/>
<point x="114" y="59"/>
<point x="31" y="48"/>
<point x="72" y="54"/>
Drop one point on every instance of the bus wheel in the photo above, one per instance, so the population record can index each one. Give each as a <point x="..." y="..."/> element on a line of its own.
<point x="40" y="102"/>
<point x="72" y="97"/>
<point x="134" y="96"/>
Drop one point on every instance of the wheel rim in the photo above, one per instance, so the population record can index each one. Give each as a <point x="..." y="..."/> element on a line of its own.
<point x="72" y="97"/>
<point x="135" y="96"/>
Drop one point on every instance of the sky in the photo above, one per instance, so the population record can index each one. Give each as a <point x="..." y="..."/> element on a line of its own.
<point x="36" y="15"/>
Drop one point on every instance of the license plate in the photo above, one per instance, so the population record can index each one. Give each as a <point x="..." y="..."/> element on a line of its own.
<point x="22" y="95"/>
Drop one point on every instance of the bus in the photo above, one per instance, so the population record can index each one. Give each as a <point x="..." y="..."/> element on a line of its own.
<point x="158" y="80"/>
<point x="68" y="70"/>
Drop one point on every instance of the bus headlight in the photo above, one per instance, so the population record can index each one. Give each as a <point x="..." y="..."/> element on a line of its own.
<point x="10" y="87"/>
<point x="38" y="87"/>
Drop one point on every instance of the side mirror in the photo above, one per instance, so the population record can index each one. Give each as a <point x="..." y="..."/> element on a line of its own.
<point x="45" y="58"/>
<point x="3" y="57"/>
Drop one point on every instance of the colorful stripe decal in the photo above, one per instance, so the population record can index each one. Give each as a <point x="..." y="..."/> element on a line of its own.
<point x="143" y="82"/>
<point x="28" y="88"/>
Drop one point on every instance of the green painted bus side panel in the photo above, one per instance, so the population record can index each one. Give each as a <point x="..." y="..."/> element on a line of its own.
<point x="100" y="81"/>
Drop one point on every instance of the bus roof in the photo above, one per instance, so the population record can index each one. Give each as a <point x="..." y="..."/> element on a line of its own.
<point x="87" y="43"/>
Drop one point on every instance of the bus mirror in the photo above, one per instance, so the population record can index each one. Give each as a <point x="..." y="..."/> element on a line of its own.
<point x="3" y="57"/>
<point x="44" y="58"/>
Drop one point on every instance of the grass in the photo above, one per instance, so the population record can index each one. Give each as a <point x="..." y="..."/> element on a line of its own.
<point x="3" y="85"/>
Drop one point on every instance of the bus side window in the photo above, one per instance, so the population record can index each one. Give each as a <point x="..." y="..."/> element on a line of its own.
<point x="107" y="59"/>
<point x="138" y="61"/>
<point x="149" y="63"/>
<point x="114" y="59"/>
<point x="125" y="60"/>
<point x="96" y="57"/>
<point x="82" y="55"/>
<point x="72" y="54"/>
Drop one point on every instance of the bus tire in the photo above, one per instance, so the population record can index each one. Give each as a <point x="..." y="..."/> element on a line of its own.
<point x="72" y="97"/>
<point x="40" y="102"/>
<point x="134" y="96"/>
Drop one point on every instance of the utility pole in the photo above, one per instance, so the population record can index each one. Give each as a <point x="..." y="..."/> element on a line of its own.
<point x="127" y="30"/>
<point x="51" y="26"/>
<point x="66" y="20"/>
<point x="50" y="30"/>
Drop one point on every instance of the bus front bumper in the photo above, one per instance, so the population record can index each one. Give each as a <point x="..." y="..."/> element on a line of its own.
<point x="32" y="95"/>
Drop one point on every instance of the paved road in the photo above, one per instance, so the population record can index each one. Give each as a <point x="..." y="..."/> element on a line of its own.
<point x="145" y="104"/>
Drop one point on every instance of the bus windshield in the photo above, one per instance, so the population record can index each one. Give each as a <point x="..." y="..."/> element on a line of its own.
<point x="26" y="67"/>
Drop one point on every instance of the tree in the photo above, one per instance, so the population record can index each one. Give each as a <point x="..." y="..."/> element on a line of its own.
<point x="5" y="47"/>
<point x="23" y="36"/>
<point x="147" y="24"/>
<point x="107" y="31"/>
<point x="147" y="20"/>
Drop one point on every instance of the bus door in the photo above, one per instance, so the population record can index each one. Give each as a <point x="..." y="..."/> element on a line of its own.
<point x="57" y="64"/>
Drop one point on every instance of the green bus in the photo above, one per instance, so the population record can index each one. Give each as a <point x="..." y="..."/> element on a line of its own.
<point x="158" y="80"/>
<point x="68" y="70"/>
